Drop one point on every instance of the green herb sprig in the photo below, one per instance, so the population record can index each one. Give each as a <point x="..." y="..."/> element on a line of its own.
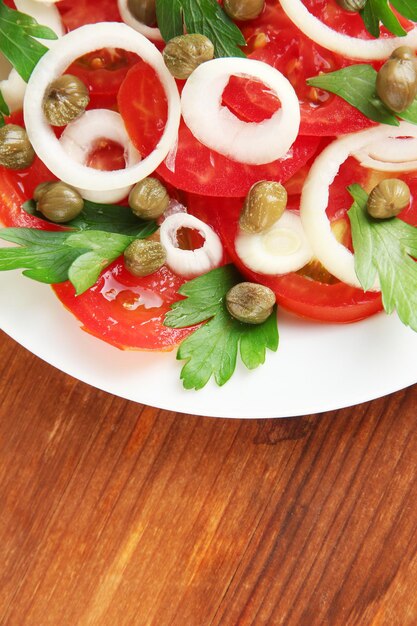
<point x="19" y="43"/>
<point x="213" y="348"/>
<point x="205" y="17"/>
<point x="377" y="12"/>
<point x="99" y="235"/>
<point x="384" y="249"/>
<point x="357" y="85"/>
<point x="110" y="218"/>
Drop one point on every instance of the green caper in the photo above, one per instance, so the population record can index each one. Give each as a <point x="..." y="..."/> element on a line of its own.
<point x="396" y="83"/>
<point x="143" y="10"/>
<point x="263" y="206"/>
<point x="65" y="100"/>
<point x="353" y="6"/>
<point x="144" y="257"/>
<point x="250" y="303"/>
<point x="243" y="9"/>
<point x="388" y="198"/>
<point x="59" y="202"/>
<point x="149" y="199"/>
<point x="40" y="190"/>
<point x="16" y="152"/>
<point x="183" y="54"/>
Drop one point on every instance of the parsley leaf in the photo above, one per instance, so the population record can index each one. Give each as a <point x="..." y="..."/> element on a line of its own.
<point x="110" y="218"/>
<point x="4" y="109"/>
<point x="205" y="17"/>
<point x="53" y="257"/>
<point x="103" y="249"/>
<point x="18" y="40"/>
<point x="357" y="85"/>
<point x="213" y="348"/>
<point x="385" y="248"/>
<point x="378" y="12"/>
<point x="43" y="254"/>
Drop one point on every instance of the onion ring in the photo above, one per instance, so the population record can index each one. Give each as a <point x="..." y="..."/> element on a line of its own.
<point x="73" y="45"/>
<point x="337" y="259"/>
<point x="217" y="128"/>
<point x="190" y="263"/>
<point x="351" y="47"/>
<point x="79" y="137"/>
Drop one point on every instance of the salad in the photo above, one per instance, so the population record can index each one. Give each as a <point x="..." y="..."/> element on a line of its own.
<point x="180" y="170"/>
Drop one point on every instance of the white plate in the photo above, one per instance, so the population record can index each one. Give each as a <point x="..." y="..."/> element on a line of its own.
<point x="318" y="367"/>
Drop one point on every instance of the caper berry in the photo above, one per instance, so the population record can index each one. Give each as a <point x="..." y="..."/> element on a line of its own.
<point x="16" y="152"/>
<point x="388" y="198"/>
<point x="40" y="190"/>
<point x="143" y="257"/>
<point x="353" y="6"/>
<point x="263" y="206"/>
<point x="250" y="303"/>
<point x="65" y="100"/>
<point x="243" y="9"/>
<point x="396" y="83"/>
<point x="143" y="10"/>
<point x="59" y="202"/>
<point x="183" y="54"/>
<point x="149" y="199"/>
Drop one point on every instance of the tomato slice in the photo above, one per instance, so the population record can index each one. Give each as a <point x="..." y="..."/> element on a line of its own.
<point x="75" y="13"/>
<point x="121" y="309"/>
<point x="274" y="39"/>
<point x="335" y="302"/>
<point x="193" y="167"/>
<point x="126" y="311"/>
<point x="103" y="72"/>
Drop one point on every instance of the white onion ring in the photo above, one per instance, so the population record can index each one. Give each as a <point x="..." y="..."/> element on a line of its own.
<point x="79" y="137"/>
<point x="217" y="128"/>
<point x="73" y="45"/>
<point x="352" y="47"/>
<point x="190" y="263"/>
<point x="281" y="249"/>
<point x="389" y="156"/>
<point x="337" y="259"/>
<point x="147" y="31"/>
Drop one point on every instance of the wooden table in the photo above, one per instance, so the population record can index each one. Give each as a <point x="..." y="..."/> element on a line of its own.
<point x="118" y="514"/>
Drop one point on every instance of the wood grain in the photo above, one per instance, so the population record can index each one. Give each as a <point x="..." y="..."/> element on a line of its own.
<point x="118" y="514"/>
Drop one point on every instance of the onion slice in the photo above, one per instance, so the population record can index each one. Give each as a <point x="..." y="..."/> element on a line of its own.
<point x="337" y="259"/>
<point x="352" y="47"/>
<point x="66" y="50"/>
<point x="217" y="128"/>
<point x="78" y="140"/>
<point x="280" y="249"/>
<point x="129" y="19"/>
<point x="190" y="263"/>
<point x="389" y="155"/>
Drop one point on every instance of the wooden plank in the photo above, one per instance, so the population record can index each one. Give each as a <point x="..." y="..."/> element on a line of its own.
<point x="115" y="513"/>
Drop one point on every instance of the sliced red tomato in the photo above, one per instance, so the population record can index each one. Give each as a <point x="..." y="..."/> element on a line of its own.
<point x="198" y="169"/>
<point x="273" y="39"/>
<point x="193" y="167"/>
<point x="126" y="311"/>
<point x="75" y="13"/>
<point x="143" y="105"/>
<point x="326" y="302"/>
<point x="122" y="309"/>
<point x="103" y="72"/>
